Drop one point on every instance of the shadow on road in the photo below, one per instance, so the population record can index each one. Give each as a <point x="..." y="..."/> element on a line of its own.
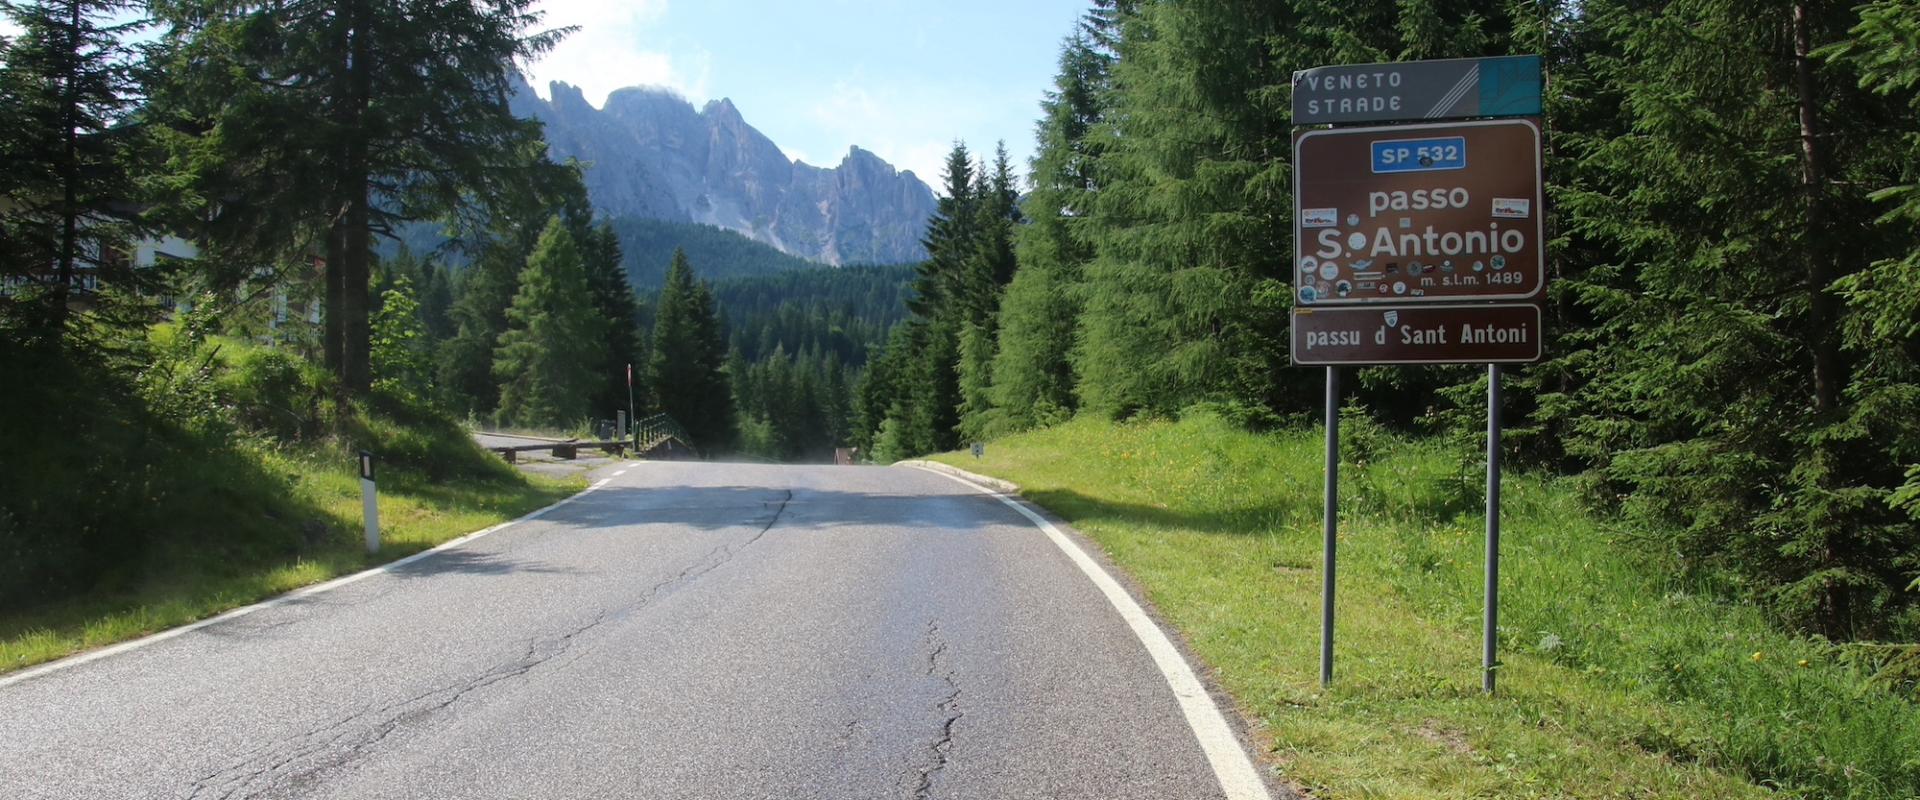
<point x="711" y="508"/>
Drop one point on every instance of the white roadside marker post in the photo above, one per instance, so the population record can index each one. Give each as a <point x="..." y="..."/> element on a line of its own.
<point x="369" y="503"/>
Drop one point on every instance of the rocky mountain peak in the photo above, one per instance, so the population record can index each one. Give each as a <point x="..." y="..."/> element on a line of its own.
<point x="649" y="153"/>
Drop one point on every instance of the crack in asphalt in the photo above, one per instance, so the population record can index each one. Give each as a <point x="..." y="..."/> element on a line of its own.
<point x="949" y="707"/>
<point x="291" y="762"/>
<point x="294" y="761"/>
<point x="718" y="556"/>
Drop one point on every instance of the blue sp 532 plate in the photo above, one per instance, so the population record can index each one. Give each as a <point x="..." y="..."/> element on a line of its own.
<point x="1420" y="155"/>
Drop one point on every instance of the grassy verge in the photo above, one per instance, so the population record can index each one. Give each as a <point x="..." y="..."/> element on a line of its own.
<point x="185" y="585"/>
<point x="208" y="476"/>
<point x="1620" y="678"/>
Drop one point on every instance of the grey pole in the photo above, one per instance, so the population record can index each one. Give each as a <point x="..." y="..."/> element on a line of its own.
<point x="1490" y="645"/>
<point x="1332" y="523"/>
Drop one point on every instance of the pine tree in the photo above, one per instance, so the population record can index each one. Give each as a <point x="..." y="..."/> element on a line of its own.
<point x="1033" y="376"/>
<point x="1732" y="395"/>
<point x="686" y="369"/>
<point x="67" y="83"/>
<point x="500" y="247"/>
<point x="613" y="299"/>
<point x="546" y="358"/>
<point x="315" y="109"/>
<point x="1186" y="299"/>
<point x="1885" y="49"/>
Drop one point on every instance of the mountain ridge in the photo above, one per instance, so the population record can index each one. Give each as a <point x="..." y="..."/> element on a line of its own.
<point x="649" y="153"/>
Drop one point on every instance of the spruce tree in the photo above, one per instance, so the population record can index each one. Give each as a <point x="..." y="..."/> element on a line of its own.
<point x="686" y="368"/>
<point x="545" y="360"/>
<point x="1033" y="375"/>
<point x="67" y="152"/>
<point x="338" y="118"/>
<point x="1733" y="396"/>
<point x="613" y="299"/>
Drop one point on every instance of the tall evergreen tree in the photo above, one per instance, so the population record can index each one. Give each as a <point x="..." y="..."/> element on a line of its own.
<point x="499" y="248"/>
<point x="686" y="368"/>
<point x="1186" y="300"/>
<point x="613" y="299"/>
<point x="1725" y="398"/>
<point x="546" y="358"/>
<point x="1885" y="49"/>
<point x="1033" y="376"/>
<point x="67" y="86"/>
<point x="337" y="119"/>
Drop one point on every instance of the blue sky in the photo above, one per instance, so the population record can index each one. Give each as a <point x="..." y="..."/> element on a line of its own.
<point x="902" y="78"/>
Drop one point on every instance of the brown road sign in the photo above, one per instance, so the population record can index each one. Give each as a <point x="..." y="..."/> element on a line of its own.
<point x="1506" y="333"/>
<point x="1418" y="214"/>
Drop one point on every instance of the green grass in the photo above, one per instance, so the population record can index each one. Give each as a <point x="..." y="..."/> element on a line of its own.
<point x="189" y="584"/>
<point x="137" y="501"/>
<point x="1619" y="678"/>
<point x="182" y="585"/>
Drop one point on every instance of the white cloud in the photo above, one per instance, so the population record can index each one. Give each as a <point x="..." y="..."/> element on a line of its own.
<point x="613" y="49"/>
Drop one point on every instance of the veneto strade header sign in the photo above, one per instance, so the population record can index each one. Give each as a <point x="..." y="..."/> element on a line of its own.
<point x="1413" y="214"/>
<point x="1507" y="86"/>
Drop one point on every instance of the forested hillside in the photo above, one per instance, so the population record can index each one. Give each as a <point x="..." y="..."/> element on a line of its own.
<point x="649" y="245"/>
<point x="800" y="342"/>
<point x="1734" y="344"/>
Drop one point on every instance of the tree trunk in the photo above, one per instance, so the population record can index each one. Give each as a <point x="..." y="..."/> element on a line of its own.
<point x="352" y="334"/>
<point x="69" y="177"/>
<point x="336" y="260"/>
<point x="1823" y="307"/>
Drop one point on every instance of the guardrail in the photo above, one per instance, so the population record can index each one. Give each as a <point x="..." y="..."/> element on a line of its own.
<point x="659" y="432"/>
<point x="654" y="436"/>
<point x="568" y="450"/>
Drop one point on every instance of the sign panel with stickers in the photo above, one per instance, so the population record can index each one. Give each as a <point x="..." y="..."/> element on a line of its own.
<point x="1418" y="213"/>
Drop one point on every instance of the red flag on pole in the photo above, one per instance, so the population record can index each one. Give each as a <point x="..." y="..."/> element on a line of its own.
<point x="629" y="374"/>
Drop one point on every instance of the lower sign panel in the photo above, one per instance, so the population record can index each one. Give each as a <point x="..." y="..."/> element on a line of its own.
<point x="1465" y="334"/>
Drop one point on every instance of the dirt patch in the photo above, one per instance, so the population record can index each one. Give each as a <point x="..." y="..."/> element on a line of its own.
<point x="1452" y="740"/>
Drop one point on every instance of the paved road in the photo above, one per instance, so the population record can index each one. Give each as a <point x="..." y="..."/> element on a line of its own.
<point x="685" y="631"/>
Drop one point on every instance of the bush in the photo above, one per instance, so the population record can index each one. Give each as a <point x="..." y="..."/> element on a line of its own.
<point x="273" y="393"/>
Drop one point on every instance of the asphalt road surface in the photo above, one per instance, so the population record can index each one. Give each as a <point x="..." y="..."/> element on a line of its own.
<point x="684" y="631"/>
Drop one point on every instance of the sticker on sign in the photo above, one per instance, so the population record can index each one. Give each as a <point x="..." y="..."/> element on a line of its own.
<point x="1512" y="207"/>
<point x="1319" y="217"/>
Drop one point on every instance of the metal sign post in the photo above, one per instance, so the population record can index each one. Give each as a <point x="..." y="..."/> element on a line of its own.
<point x="1489" y="648"/>
<point x="369" y="503"/>
<point x="1331" y="525"/>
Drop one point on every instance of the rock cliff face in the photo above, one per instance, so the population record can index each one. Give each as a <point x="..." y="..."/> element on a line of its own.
<point x="649" y="153"/>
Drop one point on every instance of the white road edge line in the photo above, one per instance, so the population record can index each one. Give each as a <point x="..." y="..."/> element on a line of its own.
<point x="156" y="638"/>
<point x="1238" y="778"/>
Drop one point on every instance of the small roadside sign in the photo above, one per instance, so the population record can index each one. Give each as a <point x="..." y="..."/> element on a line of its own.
<point x="1418" y="214"/>
<point x="1455" y="88"/>
<point x="1507" y="333"/>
